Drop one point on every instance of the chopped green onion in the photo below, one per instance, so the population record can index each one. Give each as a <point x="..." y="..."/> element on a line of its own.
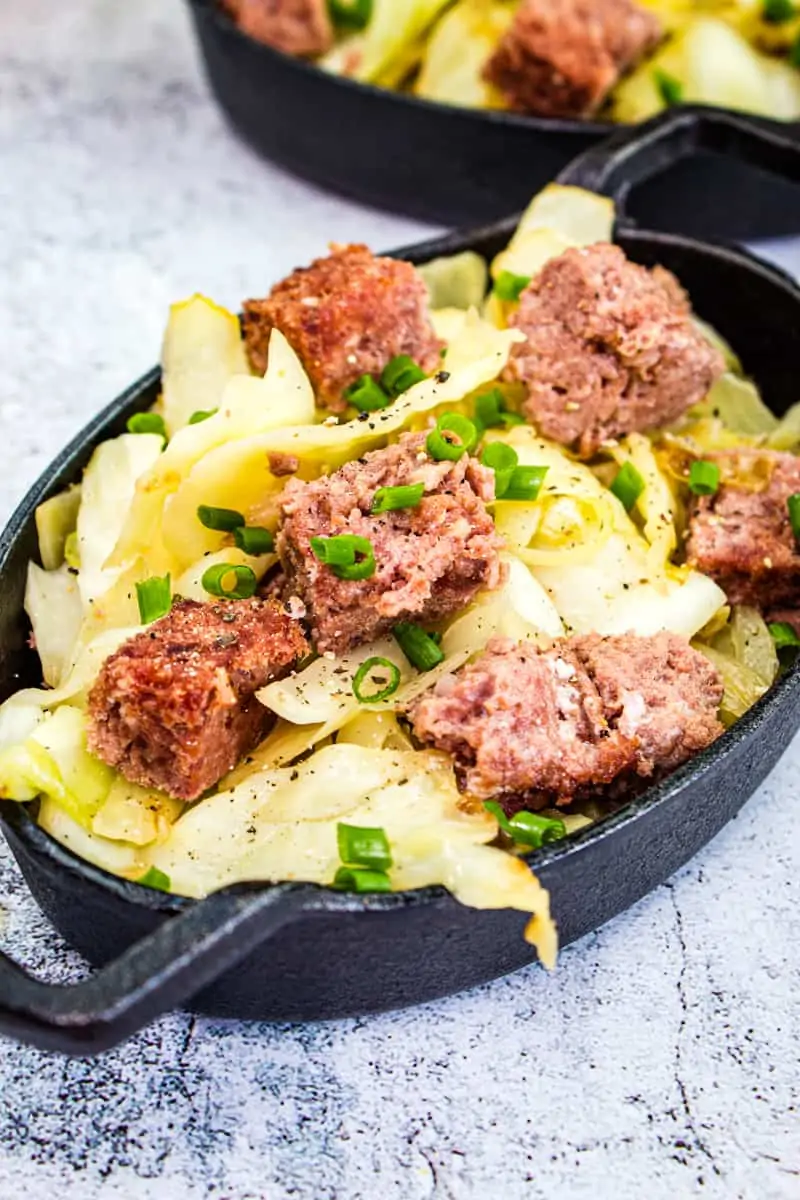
<point x="202" y="414"/>
<point x="444" y="448"/>
<point x="783" y="634"/>
<point x="511" y="418"/>
<point x="155" y="598"/>
<point x="670" y="89"/>
<point x="147" y="422"/>
<point x="794" y="52"/>
<point x="350" y="879"/>
<point x="253" y="539"/>
<point x="390" y="669"/>
<point x="525" y="483"/>
<point x="502" y="460"/>
<point x="224" y="520"/>
<point x="777" y="12"/>
<point x="703" y="477"/>
<point x="509" y="286"/>
<point x="340" y="554"/>
<point x="793" y="505"/>
<point x="367" y="395"/>
<point x="628" y="485"/>
<point x="527" y="828"/>
<point x="153" y="878"/>
<point x="421" y="650"/>
<point x="389" y="499"/>
<point x="354" y="15"/>
<point x="400" y="374"/>
<point x="363" y="847"/>
<point x="231" y="582"/>
<point x="489" y="409"/>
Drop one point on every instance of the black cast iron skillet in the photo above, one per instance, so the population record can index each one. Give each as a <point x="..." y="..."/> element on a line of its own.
<point x="451" y="165"/>
<point x="299" y="952"/>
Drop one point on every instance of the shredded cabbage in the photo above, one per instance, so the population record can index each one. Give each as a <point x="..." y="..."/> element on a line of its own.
<point x="452" y="67"/>
<point x="457" y="281"/>
<point x="53" y="605"/>
<point x="202" y="351"/>
<point x="55" y="521"/>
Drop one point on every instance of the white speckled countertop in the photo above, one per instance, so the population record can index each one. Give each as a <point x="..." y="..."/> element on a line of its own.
<point x="660" y="1061"/>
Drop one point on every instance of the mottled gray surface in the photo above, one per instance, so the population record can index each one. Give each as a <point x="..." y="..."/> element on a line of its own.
<point x="660" y="1061"/>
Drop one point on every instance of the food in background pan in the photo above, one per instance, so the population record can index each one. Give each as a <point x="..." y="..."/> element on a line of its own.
<point x="622" y="60"/>
<point x="410" y="571"/>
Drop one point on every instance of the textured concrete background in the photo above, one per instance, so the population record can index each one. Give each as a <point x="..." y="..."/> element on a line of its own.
<point x="662" y="1058"/>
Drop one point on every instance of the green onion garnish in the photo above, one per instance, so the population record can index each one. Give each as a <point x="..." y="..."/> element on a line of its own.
<point x="525" y="483"/>
<point x="509" y="286"/>
<point x="444" y="448"/>
<point x="354" y="15"/>
<point x="777" y="12"/>
<point x="224" y="520"/>
<point x="502" y="460"/>
<point x="526" y="827"/>
<point x="362" y="847"/>
<point x="793" y="505"/>
<point x="794" y="52"/>
<point x="229" y="581"/>
<point x="147" y="422"/>
<point x="350" y="879"/>
<point x="490" y="411"/>
<point x="155" y="598"/>
<point x="382" y="692"/>
<point x="367" y="395"/>
<point x="341" y="553"/>
<point x="419" y="647"/>
<point x="703" y="477"/>
<point x="401" y="373"/>
<point x="389" y="499"/>
<point x="670" y="89"/>
<point x="202" y="414"/>
<point x="153" y="878"/>
<point x="253" y="539"/>
<point x="783" y="634"/>
<point x="628" y="485"/>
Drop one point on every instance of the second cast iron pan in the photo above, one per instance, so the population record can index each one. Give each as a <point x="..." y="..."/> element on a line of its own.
<point x="457" y="166"/>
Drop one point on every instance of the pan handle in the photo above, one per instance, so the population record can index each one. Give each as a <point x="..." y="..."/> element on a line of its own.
<point x="158" y="973"/>
<point x="620" y="163"/>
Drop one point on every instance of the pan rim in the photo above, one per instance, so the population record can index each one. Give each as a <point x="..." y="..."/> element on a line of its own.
<point x="781" y="695"/>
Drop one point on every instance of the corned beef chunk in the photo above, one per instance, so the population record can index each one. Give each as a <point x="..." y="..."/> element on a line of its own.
<point x="742" y="536"/>
<point x="536" y="727"/>
<point x="561" y="58"/>
<point x="610" y="348"/>
<point x="174" y="708"/>
<point x="430" y="560"/>
<point x="345" y="316"/>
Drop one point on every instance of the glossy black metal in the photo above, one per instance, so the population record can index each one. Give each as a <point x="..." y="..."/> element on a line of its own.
<point x="452" y="165"/>
<point x="302" y="952"/>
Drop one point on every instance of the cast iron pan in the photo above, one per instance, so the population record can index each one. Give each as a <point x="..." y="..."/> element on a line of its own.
<point x="299" y="952"/>
<point x="456" y="166"/>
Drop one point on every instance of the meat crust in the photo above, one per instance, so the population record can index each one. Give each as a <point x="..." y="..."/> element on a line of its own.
<point x="563" y="57"/>
<point x="299" y="27"/>
<point x="174" y="708"/>
<point x="431" y="560"/>
<point x="742" y="536"/>
<point x="610" y="348"/>
<point x="345" y="316"/>
<point x="538" y="727"/>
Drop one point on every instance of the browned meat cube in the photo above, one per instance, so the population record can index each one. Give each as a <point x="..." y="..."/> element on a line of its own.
<point x="610" y="348"/>
<point x="561" y="58"/>
<point x="430" y="560"/>
<point x="742" y="537"/>
<point x="345" y="316"/>
<point x="299" y="27"/>
<point x="174" y="708"/>
<point x="537" y="727"/>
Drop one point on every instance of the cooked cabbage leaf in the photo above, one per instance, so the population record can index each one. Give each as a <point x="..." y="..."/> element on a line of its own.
<point x="201" y="352"/>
